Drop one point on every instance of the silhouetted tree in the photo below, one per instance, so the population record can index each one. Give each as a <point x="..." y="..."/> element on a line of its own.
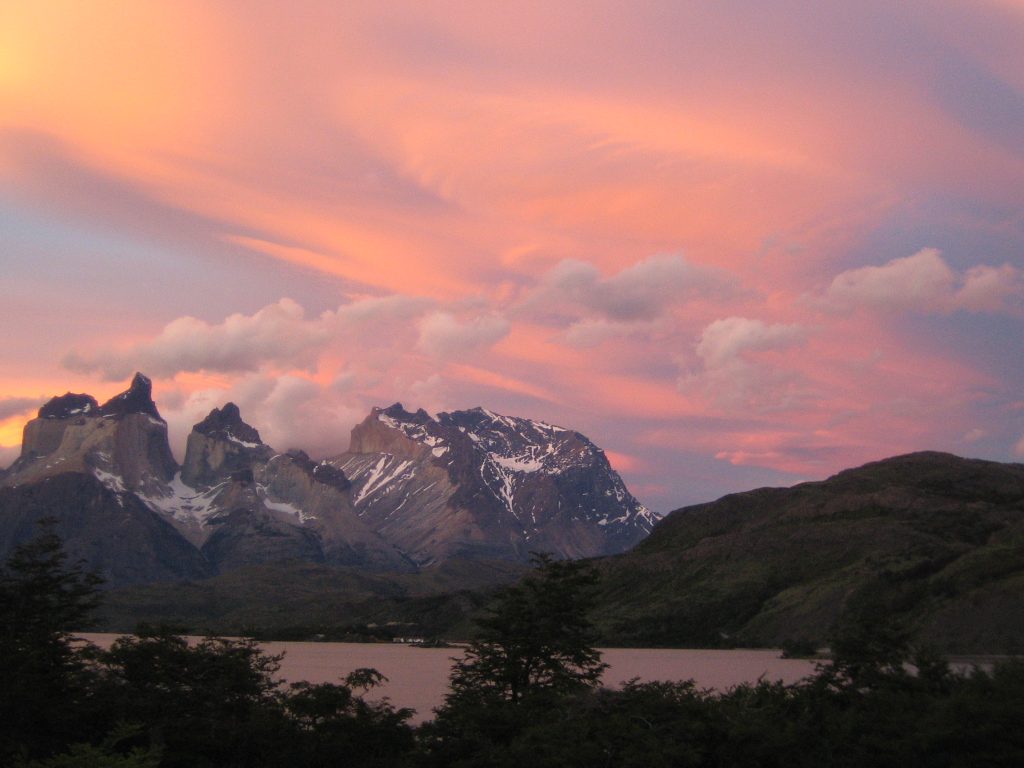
<point x="46" y="692"/>
<point x="535" y="638"/>
<point x="214" y="702"/>
<point x="334" y="720"/>
<point x="533" y="650"/>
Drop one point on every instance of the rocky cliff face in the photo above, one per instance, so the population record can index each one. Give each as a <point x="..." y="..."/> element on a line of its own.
<point x="124" y="438"/>
<point x="219" y="446"/>
<point x="113" y="532"/>
<point x="243" y="503"/>
<point x="480" y="484"/>
<point x="88" y="466"/>
<point x="412" y="490"/>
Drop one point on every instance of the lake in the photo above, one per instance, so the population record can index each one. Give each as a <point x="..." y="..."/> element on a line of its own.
<point x="418" y="677"/>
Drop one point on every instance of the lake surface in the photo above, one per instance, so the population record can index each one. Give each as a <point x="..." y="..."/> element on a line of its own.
<point x="418" y="677"/>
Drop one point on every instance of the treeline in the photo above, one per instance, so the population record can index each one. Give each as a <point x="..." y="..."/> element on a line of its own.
<point x="526" y="693"/>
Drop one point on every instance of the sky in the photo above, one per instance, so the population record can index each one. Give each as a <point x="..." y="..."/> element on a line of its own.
<point x="735" y="243"/>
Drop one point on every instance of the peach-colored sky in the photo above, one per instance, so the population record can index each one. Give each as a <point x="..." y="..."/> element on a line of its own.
<point x="734" y="244"/>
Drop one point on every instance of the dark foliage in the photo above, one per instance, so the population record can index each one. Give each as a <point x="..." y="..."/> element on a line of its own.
<point x="536" y="639"/>
<point x="211" y="703"/>
<point x="47" y="692"/>
<point x="157" y="699"/>
<point x="525" y="695"/>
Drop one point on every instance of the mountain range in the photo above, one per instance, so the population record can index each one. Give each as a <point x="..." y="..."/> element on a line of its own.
<point x="411" y="492"/>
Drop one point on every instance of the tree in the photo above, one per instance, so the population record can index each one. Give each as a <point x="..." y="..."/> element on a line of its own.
<point x="45" y="695"/>
<point x="532" y="655"/>
<point x="536" y="638"/>
<point x="332" y="720"/>
<point x="211" y="702"/>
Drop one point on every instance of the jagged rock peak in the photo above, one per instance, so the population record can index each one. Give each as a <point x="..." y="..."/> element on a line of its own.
<point x="138" y="398"/>
<point x="322" y="472"/>
<point x="397" y="412"/>
<point x="68" y="405"/>
<point x="226" y="423"/>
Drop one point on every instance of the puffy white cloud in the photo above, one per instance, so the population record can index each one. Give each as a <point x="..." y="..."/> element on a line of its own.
<point x="277" y="333"/>
<point x="640" y="292"/>
<point x="442" y="334"/>
<point x="726" y="340"/>
<point x="732" y="376"/>
<point x="376" y="310"/>
<point x="991" y="289"/>
<point x="924" y="282"/>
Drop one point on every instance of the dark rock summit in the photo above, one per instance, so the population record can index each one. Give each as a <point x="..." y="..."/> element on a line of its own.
<point x="68" y="405"/>
<point x="138" y="398"/>
<point x="226" y="423"/>
<point x="125" y="438"/>
<point x="220" y="446"/>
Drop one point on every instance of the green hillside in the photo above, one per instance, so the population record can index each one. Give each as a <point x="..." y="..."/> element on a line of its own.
<point x="933" y="539"/>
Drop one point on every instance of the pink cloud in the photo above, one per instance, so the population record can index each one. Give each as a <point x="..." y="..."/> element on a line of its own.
<point x="444" y="335"/>
<point x="641" y="292"/>
<point x="723" y="341"/>
<point x="739" y="369"/>
<point x="278" y="335"/>
<point x="924" y="282"/>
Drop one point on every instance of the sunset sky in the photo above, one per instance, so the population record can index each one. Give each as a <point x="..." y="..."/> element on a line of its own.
<point x="734" y="243"/>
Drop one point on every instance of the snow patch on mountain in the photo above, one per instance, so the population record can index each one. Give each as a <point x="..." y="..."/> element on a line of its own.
<point x="184" y="503"/>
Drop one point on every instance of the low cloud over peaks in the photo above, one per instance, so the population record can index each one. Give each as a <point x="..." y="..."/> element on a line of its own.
<point x="278" y="333"/>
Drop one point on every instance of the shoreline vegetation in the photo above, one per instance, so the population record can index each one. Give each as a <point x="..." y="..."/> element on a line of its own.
<point x="525" y="692"/>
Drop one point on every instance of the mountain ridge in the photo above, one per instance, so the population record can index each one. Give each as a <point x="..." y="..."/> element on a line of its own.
<point x="240" y="502"/>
